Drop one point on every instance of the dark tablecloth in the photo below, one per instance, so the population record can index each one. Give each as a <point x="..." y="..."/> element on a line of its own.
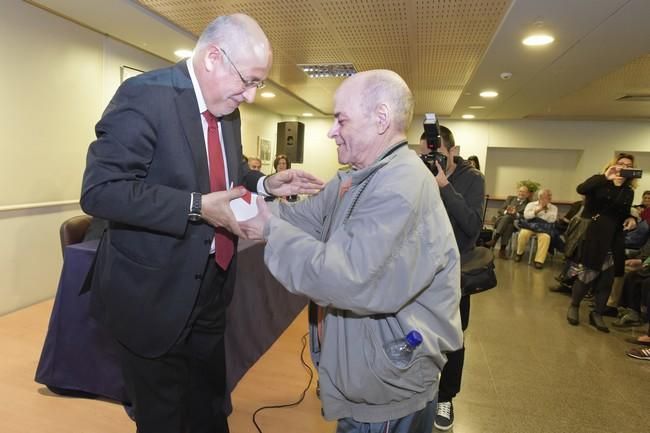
<point x="80" y="355"/>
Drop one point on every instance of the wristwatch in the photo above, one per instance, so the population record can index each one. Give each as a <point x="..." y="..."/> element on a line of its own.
<point x="195" y="207"/>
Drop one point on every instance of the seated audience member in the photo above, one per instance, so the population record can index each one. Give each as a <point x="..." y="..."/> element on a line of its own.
<point x="636" y="289"/>
<point x="636" y="238"/>
<point x="504" y="225"/>
<point x="539" y="217"/>
<point x="639" y="293"/>
<point x="254" y="163"/>
<point x="644" y="207"/>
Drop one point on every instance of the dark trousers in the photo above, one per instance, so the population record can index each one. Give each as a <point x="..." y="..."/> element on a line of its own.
<point x="504" y="228"/>
<point x="636" y="291"/>
<point x="452" y="373"/>
<point x="184" y="390"/>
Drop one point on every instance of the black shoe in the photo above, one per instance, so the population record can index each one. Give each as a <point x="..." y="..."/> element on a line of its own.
<point x="444" y="419"/>
<point x="573" y="315"/>
<point x="610" y="312"/>
<point x="596" y="320"/>
<point x="518" y="257"/>
<point x="539" y="265"/>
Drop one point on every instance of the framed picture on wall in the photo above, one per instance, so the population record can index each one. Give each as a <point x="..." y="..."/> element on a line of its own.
<point x="127" y="72"/>
<point x="264" y="149"/>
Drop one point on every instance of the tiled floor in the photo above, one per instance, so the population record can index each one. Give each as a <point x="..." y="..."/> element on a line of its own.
<point x="526" y="371"/>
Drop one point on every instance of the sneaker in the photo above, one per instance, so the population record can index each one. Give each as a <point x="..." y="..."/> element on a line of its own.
<point x="637" y="353"/>
<point x="444" y="419"/>
<point x="631" y="318"/>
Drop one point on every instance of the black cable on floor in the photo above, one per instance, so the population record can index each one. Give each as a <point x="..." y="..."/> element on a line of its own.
<point x="304" y="391"/>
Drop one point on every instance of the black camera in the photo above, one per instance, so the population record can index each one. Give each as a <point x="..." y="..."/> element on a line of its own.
<point x="432" y="133"/>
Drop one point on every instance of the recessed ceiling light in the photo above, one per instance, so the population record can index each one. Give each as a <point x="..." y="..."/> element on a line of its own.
<point x="476" y="107"/>
<point x="307" y="114"/>
<point x="183" y="54"/>
<point x="489" y="94"/>
<point x="468" y="116"/>
<point x="538" y="39"/>
<point x="267" y="95"/>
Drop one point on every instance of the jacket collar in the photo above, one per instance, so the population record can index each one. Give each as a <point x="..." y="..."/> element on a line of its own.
<point x="358" y="176"/>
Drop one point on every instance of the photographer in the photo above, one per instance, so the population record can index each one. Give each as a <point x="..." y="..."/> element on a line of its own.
<point x="462" y="189"/>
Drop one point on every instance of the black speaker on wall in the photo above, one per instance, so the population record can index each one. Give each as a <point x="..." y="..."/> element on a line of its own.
<point x="291" y="137"/>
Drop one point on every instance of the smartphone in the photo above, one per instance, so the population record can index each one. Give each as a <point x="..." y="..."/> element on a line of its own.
<point x="631" y="173"/>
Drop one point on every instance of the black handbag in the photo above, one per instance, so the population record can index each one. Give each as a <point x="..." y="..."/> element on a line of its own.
<point x="477" y="271"/>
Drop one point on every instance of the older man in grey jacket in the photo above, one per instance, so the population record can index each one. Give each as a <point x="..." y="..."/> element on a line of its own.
<point x="375" y="250"/>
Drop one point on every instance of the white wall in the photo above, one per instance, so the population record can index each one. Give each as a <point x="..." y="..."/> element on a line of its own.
<point x="320" y="157"/>
<point x="60" y="80"/>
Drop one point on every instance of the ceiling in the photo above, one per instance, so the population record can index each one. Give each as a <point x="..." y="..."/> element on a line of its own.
<point x="448" y="51"/>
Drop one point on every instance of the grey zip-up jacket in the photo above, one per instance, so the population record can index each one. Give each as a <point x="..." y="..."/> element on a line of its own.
<point x="376" y="250"/>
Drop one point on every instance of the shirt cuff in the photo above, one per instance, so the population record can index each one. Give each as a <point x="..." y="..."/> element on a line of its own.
<point x="260" y="187"/>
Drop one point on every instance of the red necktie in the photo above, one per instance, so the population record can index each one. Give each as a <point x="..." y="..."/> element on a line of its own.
<point x="223" y="239"/>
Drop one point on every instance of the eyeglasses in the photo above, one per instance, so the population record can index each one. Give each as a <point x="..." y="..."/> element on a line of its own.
<point x="248" y="84"/>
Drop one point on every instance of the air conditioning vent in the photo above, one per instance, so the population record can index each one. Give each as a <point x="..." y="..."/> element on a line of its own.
<point x="329" y="70"/>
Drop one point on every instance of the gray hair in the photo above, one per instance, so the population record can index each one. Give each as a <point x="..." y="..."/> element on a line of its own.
<point x="546" y="191"/>
<point x="385" y="86"/>
<point x="223" y="30"/>
<point x="236" y="34"/>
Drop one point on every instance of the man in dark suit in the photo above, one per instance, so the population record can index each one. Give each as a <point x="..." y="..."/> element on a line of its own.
<point x="168" y="147"/>
<point x="504" y="226"/>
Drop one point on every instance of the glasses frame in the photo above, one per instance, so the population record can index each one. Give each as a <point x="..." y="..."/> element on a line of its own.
<point x="248" y="84"/>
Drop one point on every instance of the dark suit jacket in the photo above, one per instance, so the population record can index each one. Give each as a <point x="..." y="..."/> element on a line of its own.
<point x="511" y="200"/>
<point x="148" y="157"/>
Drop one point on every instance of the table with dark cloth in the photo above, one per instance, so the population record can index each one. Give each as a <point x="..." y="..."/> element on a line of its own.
<point x="80" y="355"/>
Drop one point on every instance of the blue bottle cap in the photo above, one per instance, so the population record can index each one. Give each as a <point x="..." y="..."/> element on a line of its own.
<point x="414" y="338"/>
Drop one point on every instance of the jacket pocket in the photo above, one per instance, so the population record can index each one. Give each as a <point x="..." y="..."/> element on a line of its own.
<point x="371" y="378"/>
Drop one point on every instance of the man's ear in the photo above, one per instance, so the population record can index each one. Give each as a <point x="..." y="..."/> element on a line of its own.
<point x="383" y="118"/>
<point x="454" y="151"/>
<point x="210" y="57"/>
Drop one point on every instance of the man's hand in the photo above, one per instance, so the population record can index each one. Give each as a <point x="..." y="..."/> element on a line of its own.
<point x="253" y="228"/>
<point x="216" y="209"/>
<point x="441" y="177"/>
<point x="629" y="224"/>
<point x="290" y="182"/>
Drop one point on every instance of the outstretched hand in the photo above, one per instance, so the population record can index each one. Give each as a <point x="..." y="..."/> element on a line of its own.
<point x="291" y="182"/>
<point x="217" y="212"/>
<point x="253" y="228"/>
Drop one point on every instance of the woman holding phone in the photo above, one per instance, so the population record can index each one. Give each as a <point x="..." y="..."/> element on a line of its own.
<point x="599" y="253"/>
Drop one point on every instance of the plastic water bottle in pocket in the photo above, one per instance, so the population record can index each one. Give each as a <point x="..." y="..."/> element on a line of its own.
<point x="400" y="351"/>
